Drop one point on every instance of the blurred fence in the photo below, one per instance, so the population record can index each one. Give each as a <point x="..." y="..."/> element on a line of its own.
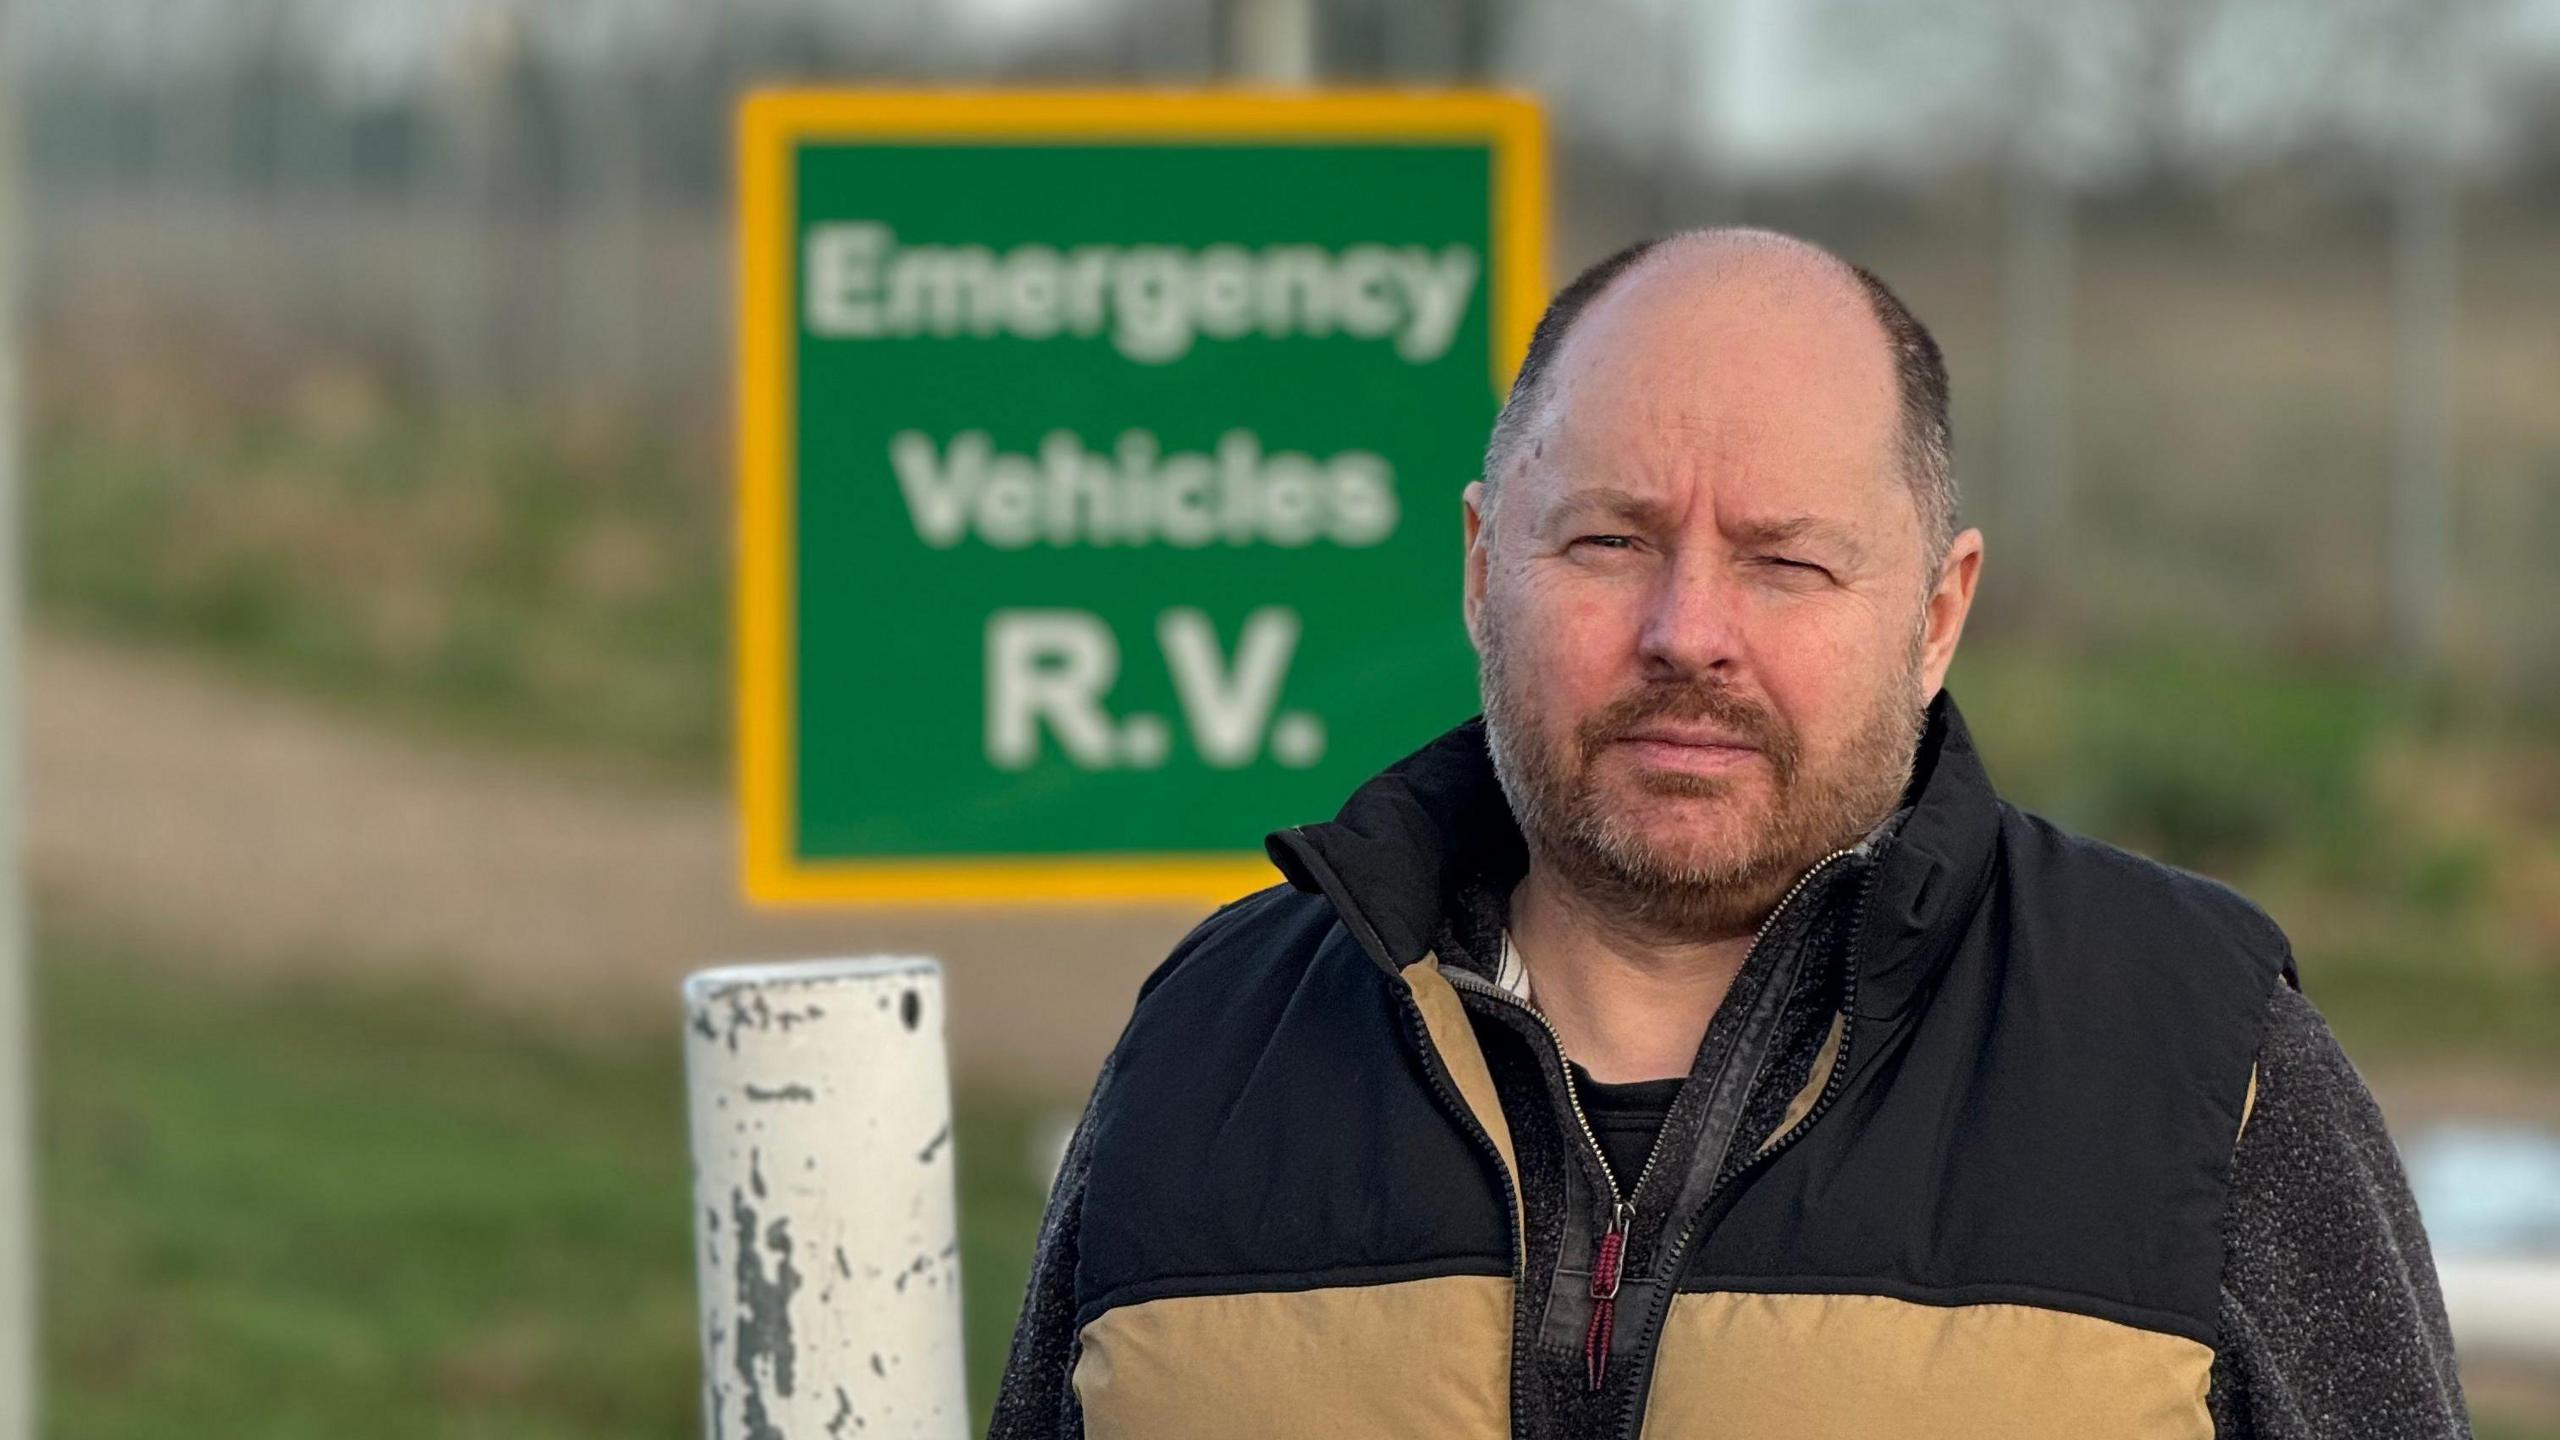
<point x="2223" y="365"/>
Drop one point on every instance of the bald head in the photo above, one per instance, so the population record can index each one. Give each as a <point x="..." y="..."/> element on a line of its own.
<point x="1749" y="315"/>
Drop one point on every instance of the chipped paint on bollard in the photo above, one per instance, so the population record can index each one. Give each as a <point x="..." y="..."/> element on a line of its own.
<point x="826" y="1234"/>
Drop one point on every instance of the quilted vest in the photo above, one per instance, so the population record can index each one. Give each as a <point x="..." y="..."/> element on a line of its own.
<point x="1995" y="1209"/>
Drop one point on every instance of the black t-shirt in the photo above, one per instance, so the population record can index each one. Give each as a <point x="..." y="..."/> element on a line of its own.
<point x="1626" y="1117"/>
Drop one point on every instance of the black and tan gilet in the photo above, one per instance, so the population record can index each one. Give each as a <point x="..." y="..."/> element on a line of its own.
<point x="1994" y="1209"/>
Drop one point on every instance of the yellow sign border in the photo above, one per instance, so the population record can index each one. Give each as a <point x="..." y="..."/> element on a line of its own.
<point x="770" y="124"/>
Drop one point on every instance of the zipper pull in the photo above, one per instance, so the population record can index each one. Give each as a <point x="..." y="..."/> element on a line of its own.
<point x="1605" y="1264"/>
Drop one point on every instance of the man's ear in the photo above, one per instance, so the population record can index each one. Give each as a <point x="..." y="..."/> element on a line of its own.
<point x="1477" y="534"/>
<point x="1950" y="600"/>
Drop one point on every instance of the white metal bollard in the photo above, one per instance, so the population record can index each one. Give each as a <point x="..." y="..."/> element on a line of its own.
<point x="825" y="1215"/>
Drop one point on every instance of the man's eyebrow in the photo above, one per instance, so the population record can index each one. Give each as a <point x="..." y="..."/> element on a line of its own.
<point x="1626" y="505"/>
<point x="1796" y="527"/>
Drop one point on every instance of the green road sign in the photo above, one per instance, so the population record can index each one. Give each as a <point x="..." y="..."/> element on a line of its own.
<point x="1099" y="468"/>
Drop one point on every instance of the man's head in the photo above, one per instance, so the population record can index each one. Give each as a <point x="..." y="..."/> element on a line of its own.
<point x="1712" y="573"/>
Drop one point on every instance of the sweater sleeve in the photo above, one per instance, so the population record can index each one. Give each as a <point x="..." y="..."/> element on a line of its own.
<point x="2331" y="1319"/>
<point x="1036" y="1400"/>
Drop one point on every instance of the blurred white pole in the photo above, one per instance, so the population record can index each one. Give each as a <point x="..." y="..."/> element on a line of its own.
<point x="442" y="231"/>
<point x="605" y="212"/>
<point x="2425" y="292"/>
<point x="1674" y="138"/>
<point x="1272" y="42"/>
<point x="17" y="1065"/>
<point x="825" y="1216"/>
<point x="2037" y="278"/>
<point x="1706" y="40"/>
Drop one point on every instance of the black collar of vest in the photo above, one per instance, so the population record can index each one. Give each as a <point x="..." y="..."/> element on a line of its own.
<point x="1400" y="843"/>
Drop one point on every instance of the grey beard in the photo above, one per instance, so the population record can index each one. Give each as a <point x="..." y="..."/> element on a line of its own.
<point x="1609" y="866"/>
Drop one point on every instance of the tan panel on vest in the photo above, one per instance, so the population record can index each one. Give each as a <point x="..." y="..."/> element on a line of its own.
<point x="1418" y="1357"/>
<point x="1811" y="1091"/>
<point x="1455" y="1039"/>
<point x="2248" y="1104"/>
<point x="1740" y="1367"/>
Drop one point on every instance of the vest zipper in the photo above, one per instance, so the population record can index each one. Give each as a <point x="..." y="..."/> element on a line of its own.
<point x="1475" y="1128"/>
<point x="1513" y="1217"/>
<point x="1678" y="1250"/>
<point x="1611" y="1246"/>
<point x="1441" y="1085"/>
<point x="1609" y="1253"/>
<point x="1839" y="1056"/>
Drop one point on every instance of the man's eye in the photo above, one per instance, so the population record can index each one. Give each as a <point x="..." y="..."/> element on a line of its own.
<point x="1791" y="564"/>
<point x="1606" y="542"/>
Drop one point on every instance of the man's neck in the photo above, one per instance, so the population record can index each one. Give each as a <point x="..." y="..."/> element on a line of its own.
<point x="1627" y="1006"/>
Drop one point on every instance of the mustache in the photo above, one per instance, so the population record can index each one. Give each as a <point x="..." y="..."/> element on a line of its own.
<point x="1690" y="700"/>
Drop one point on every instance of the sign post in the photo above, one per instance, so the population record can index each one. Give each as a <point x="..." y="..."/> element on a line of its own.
<point x="1099" y="464"/>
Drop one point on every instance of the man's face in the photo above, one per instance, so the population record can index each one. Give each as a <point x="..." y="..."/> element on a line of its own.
<point x="1706" y="625"/>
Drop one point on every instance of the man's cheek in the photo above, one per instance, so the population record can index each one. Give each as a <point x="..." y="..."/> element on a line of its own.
<point x="1575" y="669"/>
<point x="1594" y="622"/>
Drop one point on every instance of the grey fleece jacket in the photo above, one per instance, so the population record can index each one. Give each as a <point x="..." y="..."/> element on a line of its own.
<point x="2332" y="1322"/>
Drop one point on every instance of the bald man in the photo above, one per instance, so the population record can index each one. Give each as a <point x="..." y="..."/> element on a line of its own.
<point x="1694" y="1043"/>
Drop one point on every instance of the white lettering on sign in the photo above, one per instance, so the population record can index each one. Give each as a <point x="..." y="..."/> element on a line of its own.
<point x="1052" y="671"/>
<point x="1049" y="666"/>
<point x="1153" y="301"/>
<point x="1137" y="495"/>
<point x="1225" y="706"/>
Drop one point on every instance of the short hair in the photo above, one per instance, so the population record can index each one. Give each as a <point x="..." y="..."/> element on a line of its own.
<point x="1925" y="448"/>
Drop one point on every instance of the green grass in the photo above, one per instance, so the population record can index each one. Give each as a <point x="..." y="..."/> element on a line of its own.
<point x="342" y="1211"/>
<point x="2409" y="847"/>
<point x="497" y="574"/>
<point x="345" y="1209"/>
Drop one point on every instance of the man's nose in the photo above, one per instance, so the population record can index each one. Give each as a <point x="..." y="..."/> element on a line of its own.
<point x="1692" y="619"/>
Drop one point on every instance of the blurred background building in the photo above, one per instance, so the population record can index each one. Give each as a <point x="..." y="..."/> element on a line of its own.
<point x="377" y="384"/>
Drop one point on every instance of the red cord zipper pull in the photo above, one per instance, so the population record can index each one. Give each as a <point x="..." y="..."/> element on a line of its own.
<point x="1605" y="1263"/>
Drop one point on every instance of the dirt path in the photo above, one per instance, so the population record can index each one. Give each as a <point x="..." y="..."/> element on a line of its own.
<point x="261" y="834"/>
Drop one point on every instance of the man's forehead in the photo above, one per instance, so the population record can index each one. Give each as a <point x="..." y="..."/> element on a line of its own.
<point x="1689" y="336"/>
<point x="1770" y="361"/>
